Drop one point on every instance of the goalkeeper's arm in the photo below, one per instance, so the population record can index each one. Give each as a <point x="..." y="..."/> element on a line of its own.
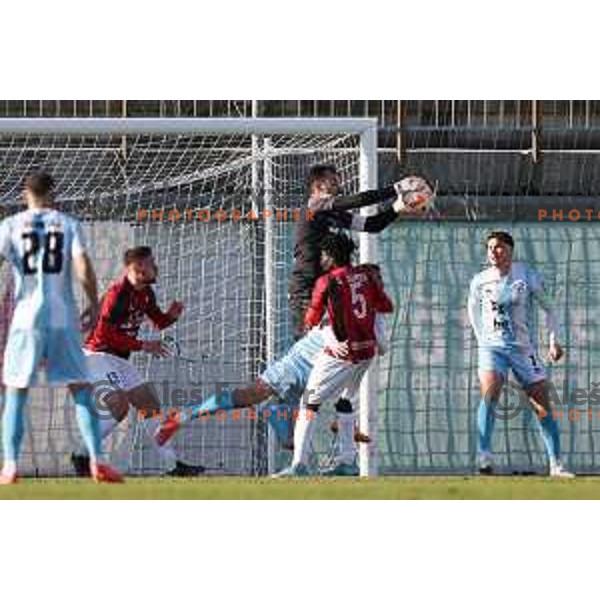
<point x="409" y="186"/>
<point x="361" y="199"/>
<point x="373" y="223"/>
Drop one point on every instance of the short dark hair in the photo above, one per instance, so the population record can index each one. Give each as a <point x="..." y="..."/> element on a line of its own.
<point x="40" y="184"/>
<point x="503" y="236"/>
<point x="339" y="246"/>
<point x="319" y="172"/>
<point x="137" y="253"/>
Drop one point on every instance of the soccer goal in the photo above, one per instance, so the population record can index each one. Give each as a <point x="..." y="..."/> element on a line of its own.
<point x="215" y="198"/>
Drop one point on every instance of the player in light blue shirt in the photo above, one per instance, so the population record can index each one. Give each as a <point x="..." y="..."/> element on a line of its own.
<point x="45" y="247"/>
<point x="501" y="305"/>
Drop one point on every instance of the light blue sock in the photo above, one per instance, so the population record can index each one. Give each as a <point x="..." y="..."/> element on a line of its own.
<point x="221" y="401"/>
<point x="550" y="435"/>
<point x="485" y="425"/>
<point x="280" y="418"/>
<point x="13" y="422"/>
<point x="88" y="424"/>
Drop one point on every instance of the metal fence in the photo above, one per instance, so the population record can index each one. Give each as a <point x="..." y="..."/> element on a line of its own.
<point x="492" y="147"/>
<point x="391" y="113"/>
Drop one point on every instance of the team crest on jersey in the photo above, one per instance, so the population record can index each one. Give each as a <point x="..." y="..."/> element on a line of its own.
<point x="136" y="318"/>
<point x="519" y="287"/>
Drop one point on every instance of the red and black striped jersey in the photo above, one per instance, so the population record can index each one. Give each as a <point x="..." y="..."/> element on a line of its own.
<point x="122" y="312"/>
<point x="352" y="297"/>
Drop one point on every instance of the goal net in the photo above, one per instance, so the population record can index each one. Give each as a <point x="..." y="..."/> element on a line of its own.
<point x="163" y="182"/>
<point x="197" y="192"/>
<point x="490" y="179"/>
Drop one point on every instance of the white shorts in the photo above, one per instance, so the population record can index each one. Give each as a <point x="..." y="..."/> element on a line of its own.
<point x="107" y="370"/>
<point x="332" y="378"/>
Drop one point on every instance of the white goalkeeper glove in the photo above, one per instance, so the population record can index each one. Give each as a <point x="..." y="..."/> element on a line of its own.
<point x="414" y="195"/>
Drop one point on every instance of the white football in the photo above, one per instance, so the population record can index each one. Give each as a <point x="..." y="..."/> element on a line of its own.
<point x="415" y="195"/>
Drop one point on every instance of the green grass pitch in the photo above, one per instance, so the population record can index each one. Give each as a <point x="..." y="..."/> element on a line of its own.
<point x="388" y="488"/>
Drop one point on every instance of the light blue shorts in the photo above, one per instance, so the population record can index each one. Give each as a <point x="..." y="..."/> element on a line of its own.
<point x="57" y="351"/>
<point x="288" y="376"/>
<point x="527" y="368"/>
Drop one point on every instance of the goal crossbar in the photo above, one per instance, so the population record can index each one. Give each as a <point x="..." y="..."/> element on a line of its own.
<point x="183" y="126"/>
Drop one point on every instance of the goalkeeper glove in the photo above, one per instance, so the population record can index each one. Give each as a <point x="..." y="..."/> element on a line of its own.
<point x="414" y="195"/>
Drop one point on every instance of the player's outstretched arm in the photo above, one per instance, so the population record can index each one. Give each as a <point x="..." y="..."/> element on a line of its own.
<point x="175" y="310"/>
<point x="361" y="199"/>
<point x="356" y="222"/>
<point x="404" y="189"/>
<point x="375" y="223"/>
<point x="162" y="319"/>
<point x="413" y="198"/>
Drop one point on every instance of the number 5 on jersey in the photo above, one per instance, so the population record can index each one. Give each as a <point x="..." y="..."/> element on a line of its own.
<point x="359" y="302"/>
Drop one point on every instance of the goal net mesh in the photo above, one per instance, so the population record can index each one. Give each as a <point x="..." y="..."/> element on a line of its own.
<point x="132" y="190"/>
<point x="490" y="179"/>
<point x="166" y="192"/>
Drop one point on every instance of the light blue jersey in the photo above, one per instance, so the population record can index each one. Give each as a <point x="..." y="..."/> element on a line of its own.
<point x="501" y="312"/>
<point x="40" y="244"/>
<point x="501" y="308"/>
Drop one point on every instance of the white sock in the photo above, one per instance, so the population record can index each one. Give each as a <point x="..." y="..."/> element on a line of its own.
<point x="303" y="433"/>
<point x="107" y="426"/>
<point x="9" y="468"/>
<point x="346" y="451"/>
<point x="166" y="451"/>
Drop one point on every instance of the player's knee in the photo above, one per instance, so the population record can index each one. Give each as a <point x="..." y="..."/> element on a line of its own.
<point x="118" y="406"/>
<point x="491" y="389"/>
<point x="145" y="398"/>
<point x="543" y="393"/>
<point x="121" y="411"/>
<point x="344" y="406"/>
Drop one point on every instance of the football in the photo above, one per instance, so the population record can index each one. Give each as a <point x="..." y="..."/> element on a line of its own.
<point x="415" y="195"/>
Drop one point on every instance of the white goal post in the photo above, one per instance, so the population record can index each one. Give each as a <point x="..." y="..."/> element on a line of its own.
<point x="23" y="138"/>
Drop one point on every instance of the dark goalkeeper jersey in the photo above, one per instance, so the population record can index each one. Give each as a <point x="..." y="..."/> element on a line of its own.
<point x="122" y="312"/>
<point x="333" y="214"/>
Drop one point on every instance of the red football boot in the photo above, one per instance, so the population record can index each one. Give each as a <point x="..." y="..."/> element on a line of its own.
<point x="103" y="473"/>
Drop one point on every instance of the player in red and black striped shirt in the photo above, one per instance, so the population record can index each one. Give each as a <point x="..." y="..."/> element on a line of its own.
<point x="128" y="301"/>
<point x="352" y="297"/>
